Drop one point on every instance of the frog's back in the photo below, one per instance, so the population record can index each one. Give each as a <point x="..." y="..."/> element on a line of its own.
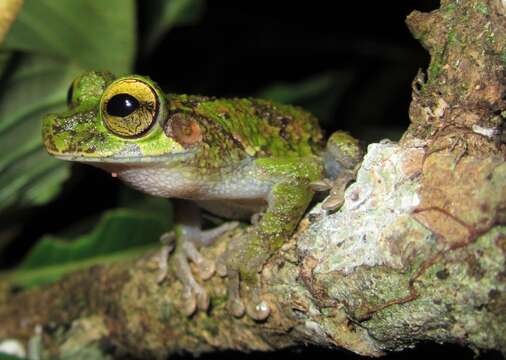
<point x="262" y="127"/>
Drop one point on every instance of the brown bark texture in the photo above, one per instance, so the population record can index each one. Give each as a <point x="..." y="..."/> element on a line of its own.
<point x="416" y="253"/>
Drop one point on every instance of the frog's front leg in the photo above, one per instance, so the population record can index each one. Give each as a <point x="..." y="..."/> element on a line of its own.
<point x="185" y="241"/>
<point x="247" y="254"/>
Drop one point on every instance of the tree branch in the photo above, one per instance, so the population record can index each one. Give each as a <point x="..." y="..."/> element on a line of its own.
<point x="416" y="253"/>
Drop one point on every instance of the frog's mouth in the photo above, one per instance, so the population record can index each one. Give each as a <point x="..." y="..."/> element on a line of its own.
<point x="117" y="164"/>
<point x="121" y="160"/>
<point x="130" y="154"/>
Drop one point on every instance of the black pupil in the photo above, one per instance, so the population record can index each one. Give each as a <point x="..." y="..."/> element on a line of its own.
<point x="122" y="105"/>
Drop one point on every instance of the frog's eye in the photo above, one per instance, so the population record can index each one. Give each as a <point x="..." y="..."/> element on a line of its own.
<point x="129" y="107"/>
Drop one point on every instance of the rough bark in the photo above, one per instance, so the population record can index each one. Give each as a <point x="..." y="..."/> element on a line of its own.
<point x="416" y="253"/>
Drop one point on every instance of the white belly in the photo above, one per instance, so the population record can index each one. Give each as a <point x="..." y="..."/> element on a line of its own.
<point x="234" y="195"/>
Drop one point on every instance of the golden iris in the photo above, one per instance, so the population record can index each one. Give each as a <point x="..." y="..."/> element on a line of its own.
<point x="129" y="107"/>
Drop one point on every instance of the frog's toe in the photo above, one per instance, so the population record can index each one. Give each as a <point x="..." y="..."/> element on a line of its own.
<point x="194" y="298"/>
<point x="221" y="265"/>
<point x="258" y="310"/>
<point x="189" y="305"/>
<point x="208" y="237"/>
<point x="321" y="185"/>
<point x="235" y="306"/>
<point x="194" y="295"/>
<point x="335" y="198"/>
<point x="202" y="299"/>
<point x="205" y="267"/>
<point x="163" y="258"/>
<point x="333" y="202"/>
<point x="336" y="190"/>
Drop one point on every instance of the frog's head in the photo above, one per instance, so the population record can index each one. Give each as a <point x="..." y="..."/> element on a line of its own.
<point x="111" y="121"/>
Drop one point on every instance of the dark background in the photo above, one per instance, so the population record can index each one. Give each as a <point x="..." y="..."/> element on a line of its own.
<point x="239" y="48"/>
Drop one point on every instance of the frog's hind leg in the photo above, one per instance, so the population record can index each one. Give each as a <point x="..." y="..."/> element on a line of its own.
<point x="184" y="242"/>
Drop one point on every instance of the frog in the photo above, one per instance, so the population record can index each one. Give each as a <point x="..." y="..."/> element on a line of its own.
<point x="243" y="159"/>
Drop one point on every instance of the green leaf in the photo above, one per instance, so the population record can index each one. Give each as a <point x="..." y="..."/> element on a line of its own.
<point x="36" y="86"/>
<point x="58" y="40"/>
<point x="4" y="60"/>
<point x="319" y="94"/>
<point x="33" y="179"/>
<point x="95" y="34"/>
<point x="120" y="234"/>
<point x="117" y="230"/>
<point x="163" y="15"/>
<point x="4" y="356"/>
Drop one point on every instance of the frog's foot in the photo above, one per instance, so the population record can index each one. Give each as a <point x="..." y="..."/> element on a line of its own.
<point x="256" y="308"/>
<point x="336" y="190"/>
<point x="244" y="291"/>
<point x="244" y="260"/>
<point x="184" y="246"/>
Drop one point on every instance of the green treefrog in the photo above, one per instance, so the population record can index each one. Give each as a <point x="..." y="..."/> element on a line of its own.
<point x="236" y="158"/>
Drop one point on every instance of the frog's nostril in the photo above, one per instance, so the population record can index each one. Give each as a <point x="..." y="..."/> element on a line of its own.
<point x="70" y="93"/>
